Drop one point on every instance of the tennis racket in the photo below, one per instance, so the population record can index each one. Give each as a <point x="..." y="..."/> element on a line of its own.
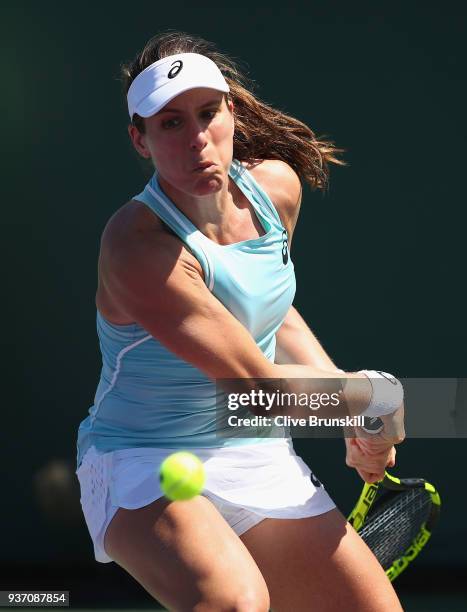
<point x="395" y="517"/>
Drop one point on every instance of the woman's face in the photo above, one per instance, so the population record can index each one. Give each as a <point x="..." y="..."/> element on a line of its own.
<point x="190" y="141"/>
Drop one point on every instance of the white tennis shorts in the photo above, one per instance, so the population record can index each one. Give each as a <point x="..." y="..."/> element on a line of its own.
<point x="246" y="484"/>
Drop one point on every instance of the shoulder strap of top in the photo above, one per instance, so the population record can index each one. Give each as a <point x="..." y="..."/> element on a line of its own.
<point x="153" y="196"/>
<point x="246" y="182"/>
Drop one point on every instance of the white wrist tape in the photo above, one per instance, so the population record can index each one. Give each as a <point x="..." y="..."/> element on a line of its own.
<point x="388" y="393"/>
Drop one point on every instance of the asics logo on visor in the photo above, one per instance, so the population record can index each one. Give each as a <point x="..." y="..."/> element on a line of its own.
<point x="175" y="69"/>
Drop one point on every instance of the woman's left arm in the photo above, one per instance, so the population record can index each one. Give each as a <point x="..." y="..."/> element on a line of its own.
<point x="296" y="343"/>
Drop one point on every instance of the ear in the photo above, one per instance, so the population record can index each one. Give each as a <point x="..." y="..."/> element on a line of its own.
<point x="139" y="141"/>
<point x="230" y="106"/>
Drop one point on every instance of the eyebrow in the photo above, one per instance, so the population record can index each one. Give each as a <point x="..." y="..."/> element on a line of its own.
<point x="177" y="110"/>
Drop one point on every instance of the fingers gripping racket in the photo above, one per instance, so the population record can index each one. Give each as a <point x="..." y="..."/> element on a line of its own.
<point x="395" y="517"/>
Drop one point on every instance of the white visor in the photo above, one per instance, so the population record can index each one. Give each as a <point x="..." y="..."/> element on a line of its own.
<point x="162" y="81"/>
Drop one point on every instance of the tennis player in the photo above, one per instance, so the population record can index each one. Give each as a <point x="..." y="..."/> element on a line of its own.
<point x="196" y="284"/>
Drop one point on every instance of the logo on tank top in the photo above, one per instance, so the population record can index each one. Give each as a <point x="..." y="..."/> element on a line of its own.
<point x="285" y="248"/>
<point x="175" y="69"/>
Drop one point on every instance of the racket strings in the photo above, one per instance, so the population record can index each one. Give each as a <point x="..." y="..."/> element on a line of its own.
<point x="390" y="529"/>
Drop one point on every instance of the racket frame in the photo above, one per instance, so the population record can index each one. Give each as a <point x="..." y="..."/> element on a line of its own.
<point x="367" y="499"/>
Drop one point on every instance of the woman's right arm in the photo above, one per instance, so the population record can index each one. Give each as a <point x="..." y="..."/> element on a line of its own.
<point x="155" y="281"/>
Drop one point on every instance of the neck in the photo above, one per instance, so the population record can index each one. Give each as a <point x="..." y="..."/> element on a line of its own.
<point x="209" y="213"/>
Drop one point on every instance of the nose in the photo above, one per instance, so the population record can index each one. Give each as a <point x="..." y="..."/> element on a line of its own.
<point x="198" y="138"/>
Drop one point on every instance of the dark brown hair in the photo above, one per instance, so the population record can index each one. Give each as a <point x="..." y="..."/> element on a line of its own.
<point x="261" y="131"/>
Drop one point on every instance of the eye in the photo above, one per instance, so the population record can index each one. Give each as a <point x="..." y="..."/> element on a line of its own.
<point x="209" y="114"/>
<point x="170" y="123"/>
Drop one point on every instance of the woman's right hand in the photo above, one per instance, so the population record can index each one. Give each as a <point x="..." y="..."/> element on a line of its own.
<point x="370" y="454"/>
<point x="369" y="465"/>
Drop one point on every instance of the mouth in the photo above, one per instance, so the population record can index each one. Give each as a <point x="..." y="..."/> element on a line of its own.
<point x="204" y="166"/>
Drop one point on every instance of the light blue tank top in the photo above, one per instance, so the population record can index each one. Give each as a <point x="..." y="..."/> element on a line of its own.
<point x="149" y="397"/>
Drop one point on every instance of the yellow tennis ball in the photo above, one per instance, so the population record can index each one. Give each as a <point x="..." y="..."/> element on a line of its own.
<point x="181" y="476"/>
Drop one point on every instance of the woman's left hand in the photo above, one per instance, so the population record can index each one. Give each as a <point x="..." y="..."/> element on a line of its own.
<point x="369" y="462"/>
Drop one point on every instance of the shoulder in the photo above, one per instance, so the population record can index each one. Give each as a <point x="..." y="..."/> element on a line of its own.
<point x="132" y="218"/>
<point x="282" y="185"/>
<point x="134" y="238"/>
